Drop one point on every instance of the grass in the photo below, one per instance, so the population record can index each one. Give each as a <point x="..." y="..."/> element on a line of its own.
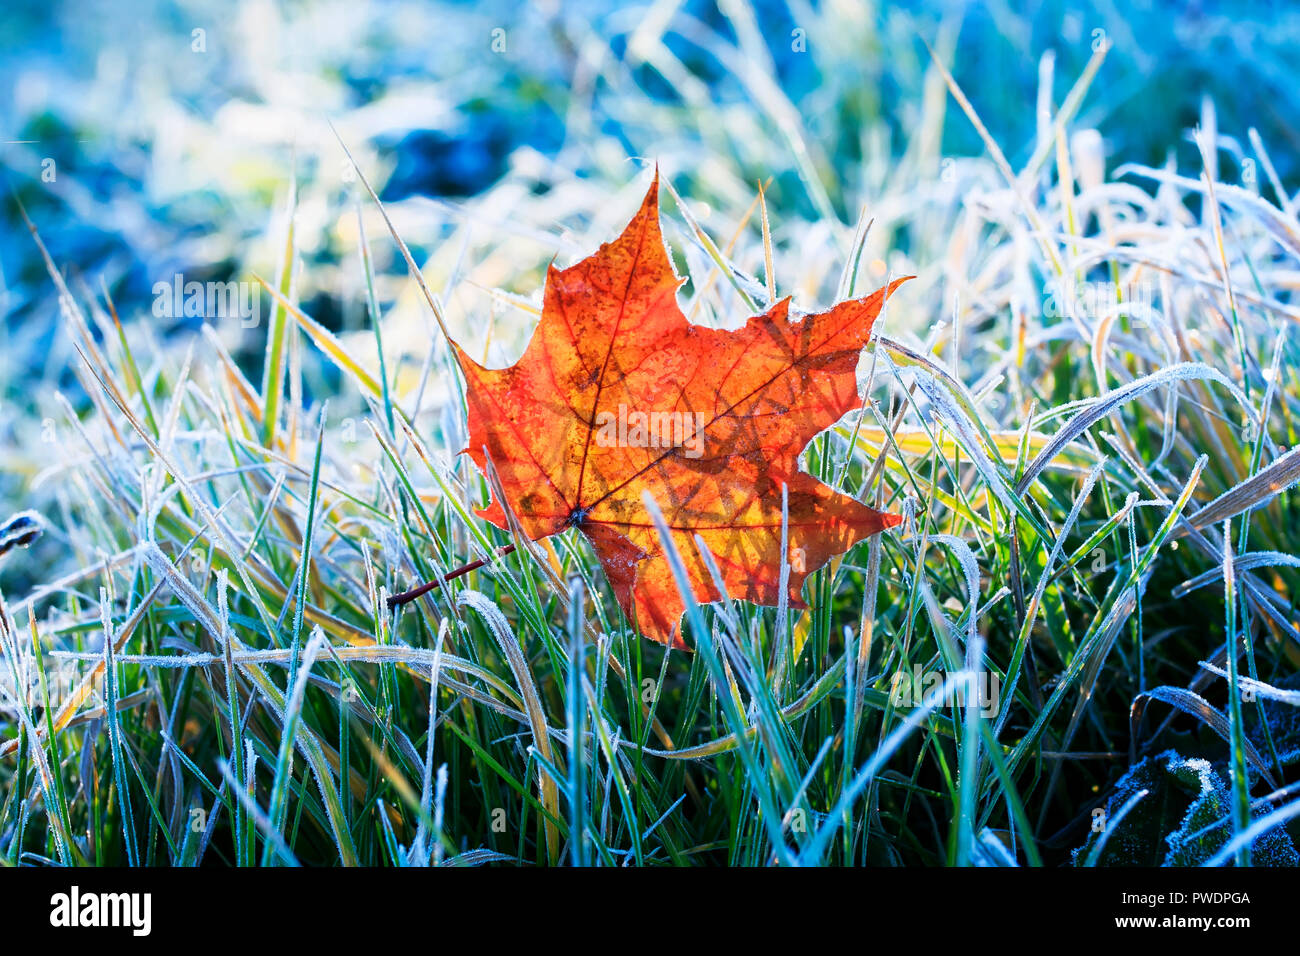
<point x="1083" y="406"/>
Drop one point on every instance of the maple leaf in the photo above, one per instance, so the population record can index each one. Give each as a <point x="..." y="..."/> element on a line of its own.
<point x="617" y="394"/>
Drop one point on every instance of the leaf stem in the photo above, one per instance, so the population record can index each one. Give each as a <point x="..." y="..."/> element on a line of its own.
<point x="397" y="600"/>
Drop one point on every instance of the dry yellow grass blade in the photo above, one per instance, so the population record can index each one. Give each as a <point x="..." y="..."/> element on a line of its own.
<point x="326" y="342"/>
<point x="1260" y="488"/>
<point x="514" y="655"/>
<point x="81" y="693"/>
<point x="919" y="442"/>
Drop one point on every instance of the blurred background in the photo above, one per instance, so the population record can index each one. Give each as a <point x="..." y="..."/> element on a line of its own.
<point x="156" y="140"/>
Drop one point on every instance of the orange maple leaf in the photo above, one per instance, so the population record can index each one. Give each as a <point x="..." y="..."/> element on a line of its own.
<point x="618" y="394"/>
